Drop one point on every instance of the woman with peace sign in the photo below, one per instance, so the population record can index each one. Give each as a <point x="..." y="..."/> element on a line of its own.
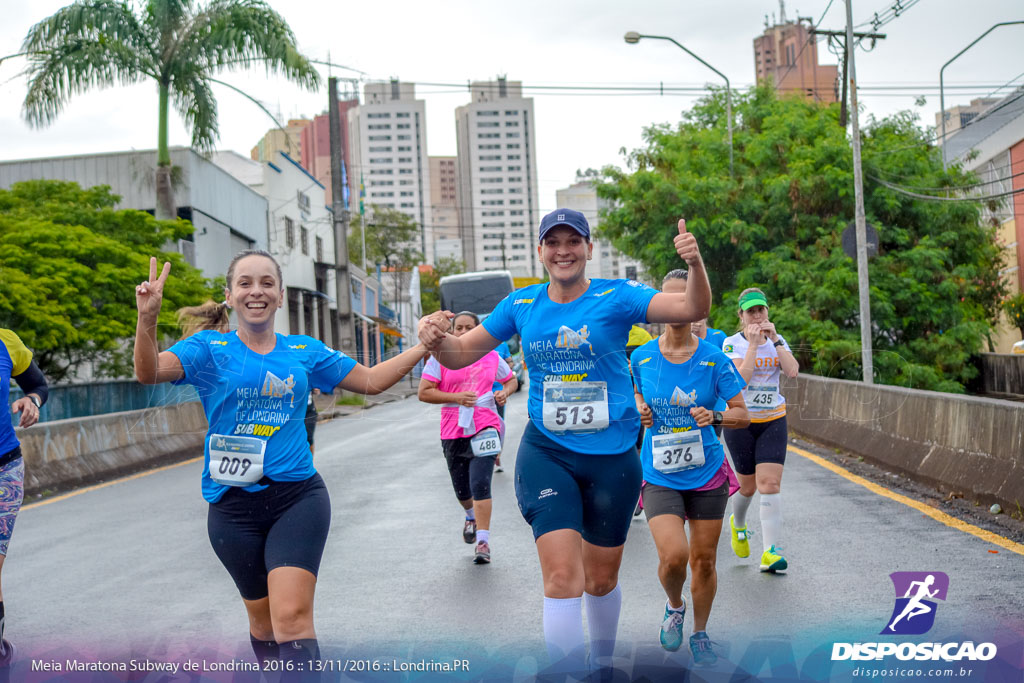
<point x="269" y="509"/>
<point x="577" y="470"/>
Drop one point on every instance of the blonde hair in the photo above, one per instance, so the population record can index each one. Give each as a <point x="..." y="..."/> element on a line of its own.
<point x="208" y="316"/>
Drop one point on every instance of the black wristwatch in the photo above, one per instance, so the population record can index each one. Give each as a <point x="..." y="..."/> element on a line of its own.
<point x="717" y="417"/>
<point x="35" y="400"/>
<point x="778" y="343"/>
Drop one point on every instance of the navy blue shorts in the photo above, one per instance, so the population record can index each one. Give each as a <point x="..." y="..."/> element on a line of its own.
<point x="562" y="489"/>
<point x="284" y="525"/>
<point x="758" y="443"/>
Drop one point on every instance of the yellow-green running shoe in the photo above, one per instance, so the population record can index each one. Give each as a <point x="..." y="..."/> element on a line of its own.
<point x="739" y="539"/>
<point x="772" y="561"/>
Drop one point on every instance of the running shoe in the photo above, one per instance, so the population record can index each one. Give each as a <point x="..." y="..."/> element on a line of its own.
<point x="739" y="539"/>
<point x="469" y="531"/>
<point x="773" y="561"/>
<point x="672" y="628"/>
<point x="7" y="651"/>
<point x="497" y="465"/>
<point x="700" y="648"/>
<point x="483" y="553"/>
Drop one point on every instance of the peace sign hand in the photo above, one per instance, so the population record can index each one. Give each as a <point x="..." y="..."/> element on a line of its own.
<point x="150" y="294"/>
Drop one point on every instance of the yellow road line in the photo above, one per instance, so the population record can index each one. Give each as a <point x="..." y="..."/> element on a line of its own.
<point x="79" y="492"/>
<point x="935" y="514"/>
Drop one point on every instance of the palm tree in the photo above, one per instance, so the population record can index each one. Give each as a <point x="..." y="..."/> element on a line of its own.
<point x="100" y="43"/>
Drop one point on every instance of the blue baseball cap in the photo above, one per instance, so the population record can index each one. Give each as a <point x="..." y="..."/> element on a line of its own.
<point x="574" y="219"/>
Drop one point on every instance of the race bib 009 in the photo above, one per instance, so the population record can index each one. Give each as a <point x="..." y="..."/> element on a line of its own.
<point x="236" y="460"/>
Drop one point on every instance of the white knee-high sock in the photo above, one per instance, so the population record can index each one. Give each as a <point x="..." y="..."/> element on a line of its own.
<point x="603" y="623"/>
<point x="740" y="504"/>
<point x="771" y="519"/>
<point x="563" y="632"/>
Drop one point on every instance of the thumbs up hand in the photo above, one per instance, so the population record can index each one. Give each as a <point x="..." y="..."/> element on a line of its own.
<point x="686" y="245"/>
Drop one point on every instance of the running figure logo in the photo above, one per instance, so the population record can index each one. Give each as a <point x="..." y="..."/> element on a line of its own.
<point x="681" y="398"/>
<point x="914" y="612"/>
<point x="569" y="338"/>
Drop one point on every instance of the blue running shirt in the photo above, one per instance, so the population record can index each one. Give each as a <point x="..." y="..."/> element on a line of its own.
<point x="670" y="390"/>
<point x="580" y="341"/>
<point x="246" y="394"/>
<point x="503" y="353"/>
<point x="714" y="336"/>
<point x="14" y="360"/>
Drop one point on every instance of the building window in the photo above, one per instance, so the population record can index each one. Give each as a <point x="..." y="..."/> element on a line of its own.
<point x="489" y="147"/>
<point x="488" y="135"/>
<point x="289" y="233"/>
<point x="513" y="134"/>
<point x="405" y="137"/>
<point x="384" y="115"/>
<point x="319" y="249"/>
<point x="488" y="124"/>
<point x="380" y="149"/>
<point x="303" y="200"/>
<point x="402" y="115"/>
<point x="379" y="126"/>
<point x="380" y="138"/>
<point x="487" y="113"/>
<point x="513" y="145"/>
<point x="305" y="240"/>
<point x="402" y="126"/>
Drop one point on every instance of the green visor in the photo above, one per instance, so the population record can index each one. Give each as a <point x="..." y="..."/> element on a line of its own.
<point x="751" y="299"/>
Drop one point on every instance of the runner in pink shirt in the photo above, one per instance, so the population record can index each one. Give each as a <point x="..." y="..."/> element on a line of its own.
<point x="471" y="430"/>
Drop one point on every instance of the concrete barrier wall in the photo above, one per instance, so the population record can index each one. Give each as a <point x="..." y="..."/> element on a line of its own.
<point x="1002" y="373"/>
<point x="963" y="444"/>
<point x="66" y="453"/>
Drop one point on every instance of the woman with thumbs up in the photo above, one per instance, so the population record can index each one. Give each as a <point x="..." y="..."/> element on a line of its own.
<point x="577" y="470"/>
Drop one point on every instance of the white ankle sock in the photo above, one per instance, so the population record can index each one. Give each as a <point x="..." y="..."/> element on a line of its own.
<point x="740" y="504"/>
<point x="771" y="519"/>
<point x="563" y="632"/>
<point x="483" y="535"/>
<point x="603" y="622"/>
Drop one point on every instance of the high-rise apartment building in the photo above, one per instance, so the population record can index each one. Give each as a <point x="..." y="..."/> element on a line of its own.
<point x="786" y="55"/>
<point x="277" y="140"/>
<point x="607" y="261"/>
<point x="388" y="148"/>
<point x="315" y="143"/>
<point x="961" y="115"/>
<point x="498" y="198"/>
<point x="444" y="212"/>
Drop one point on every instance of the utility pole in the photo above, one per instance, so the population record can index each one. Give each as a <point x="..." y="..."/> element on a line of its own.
<point x="842" y="39"/>
<point x="343" y="279"/>
<point x="504" y="264"/>
<point x="858" y="193"/>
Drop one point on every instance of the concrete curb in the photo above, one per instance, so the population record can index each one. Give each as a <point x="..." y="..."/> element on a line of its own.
<point x="958" y="443"/>
<point x="67" y="454"/>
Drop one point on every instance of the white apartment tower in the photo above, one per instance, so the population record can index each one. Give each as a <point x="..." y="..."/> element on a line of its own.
<point x="388" y="144"/>
<point x="608" y="262"/>
<point x="498" y="204"/>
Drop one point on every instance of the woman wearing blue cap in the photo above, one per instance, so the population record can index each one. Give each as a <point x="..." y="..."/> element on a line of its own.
<point x="759" y="451"/>
<point x="577" y="470"/>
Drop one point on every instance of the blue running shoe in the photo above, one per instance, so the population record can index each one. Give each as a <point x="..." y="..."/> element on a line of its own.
<point x="700" y="648"/>
<point x="672" y="628"/>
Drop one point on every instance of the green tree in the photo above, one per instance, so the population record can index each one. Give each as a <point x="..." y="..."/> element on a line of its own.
<point x="430" y="282"/>
<point x="100" y="43"/>
<point x="69" y="263"/>
<point x="935" y="287"/>
<point x="391" y="238"/>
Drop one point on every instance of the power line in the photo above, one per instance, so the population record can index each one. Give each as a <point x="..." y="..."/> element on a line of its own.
<point x="928" y="197"/>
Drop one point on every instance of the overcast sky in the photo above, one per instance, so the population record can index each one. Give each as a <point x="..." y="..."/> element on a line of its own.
<point x="554" y="42"/>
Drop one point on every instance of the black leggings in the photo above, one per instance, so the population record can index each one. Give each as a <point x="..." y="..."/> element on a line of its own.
<point x="471" y="475"/>
<point x="758" y="443"/>
<point x="284" y="525"/>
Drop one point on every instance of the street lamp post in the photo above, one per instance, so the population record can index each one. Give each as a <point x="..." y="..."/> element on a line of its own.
<point x="633" y="37"/>
<point x="942" y="96"/>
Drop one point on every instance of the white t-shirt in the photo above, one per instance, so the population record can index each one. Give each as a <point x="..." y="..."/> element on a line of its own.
<point x="764" y="401"/>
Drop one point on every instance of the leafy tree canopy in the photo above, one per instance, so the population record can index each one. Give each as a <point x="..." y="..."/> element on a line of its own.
<point x="430" y="282"/>
<point x="392" y="238"/>
<point x="69" y="263"/>
<point x="777" y="225"/>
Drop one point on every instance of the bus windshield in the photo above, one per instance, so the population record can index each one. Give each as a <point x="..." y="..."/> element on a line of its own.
<point x="478" y="294"/>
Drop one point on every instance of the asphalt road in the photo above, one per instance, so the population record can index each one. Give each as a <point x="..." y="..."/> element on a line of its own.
<point x="126" y="569"/>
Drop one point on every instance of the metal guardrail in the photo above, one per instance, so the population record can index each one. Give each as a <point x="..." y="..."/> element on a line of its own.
<point x="99" y="398"/>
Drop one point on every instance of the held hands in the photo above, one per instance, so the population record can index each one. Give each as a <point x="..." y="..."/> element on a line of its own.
<point x="686" y="245"/>
<point x="28" y="410"/>
<point x="646" y="415"/>
<point x="150" y="294"/>
<point x="466" y="399"/>
<point x="433" y="328"/>
<point x="702" y="416"/>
